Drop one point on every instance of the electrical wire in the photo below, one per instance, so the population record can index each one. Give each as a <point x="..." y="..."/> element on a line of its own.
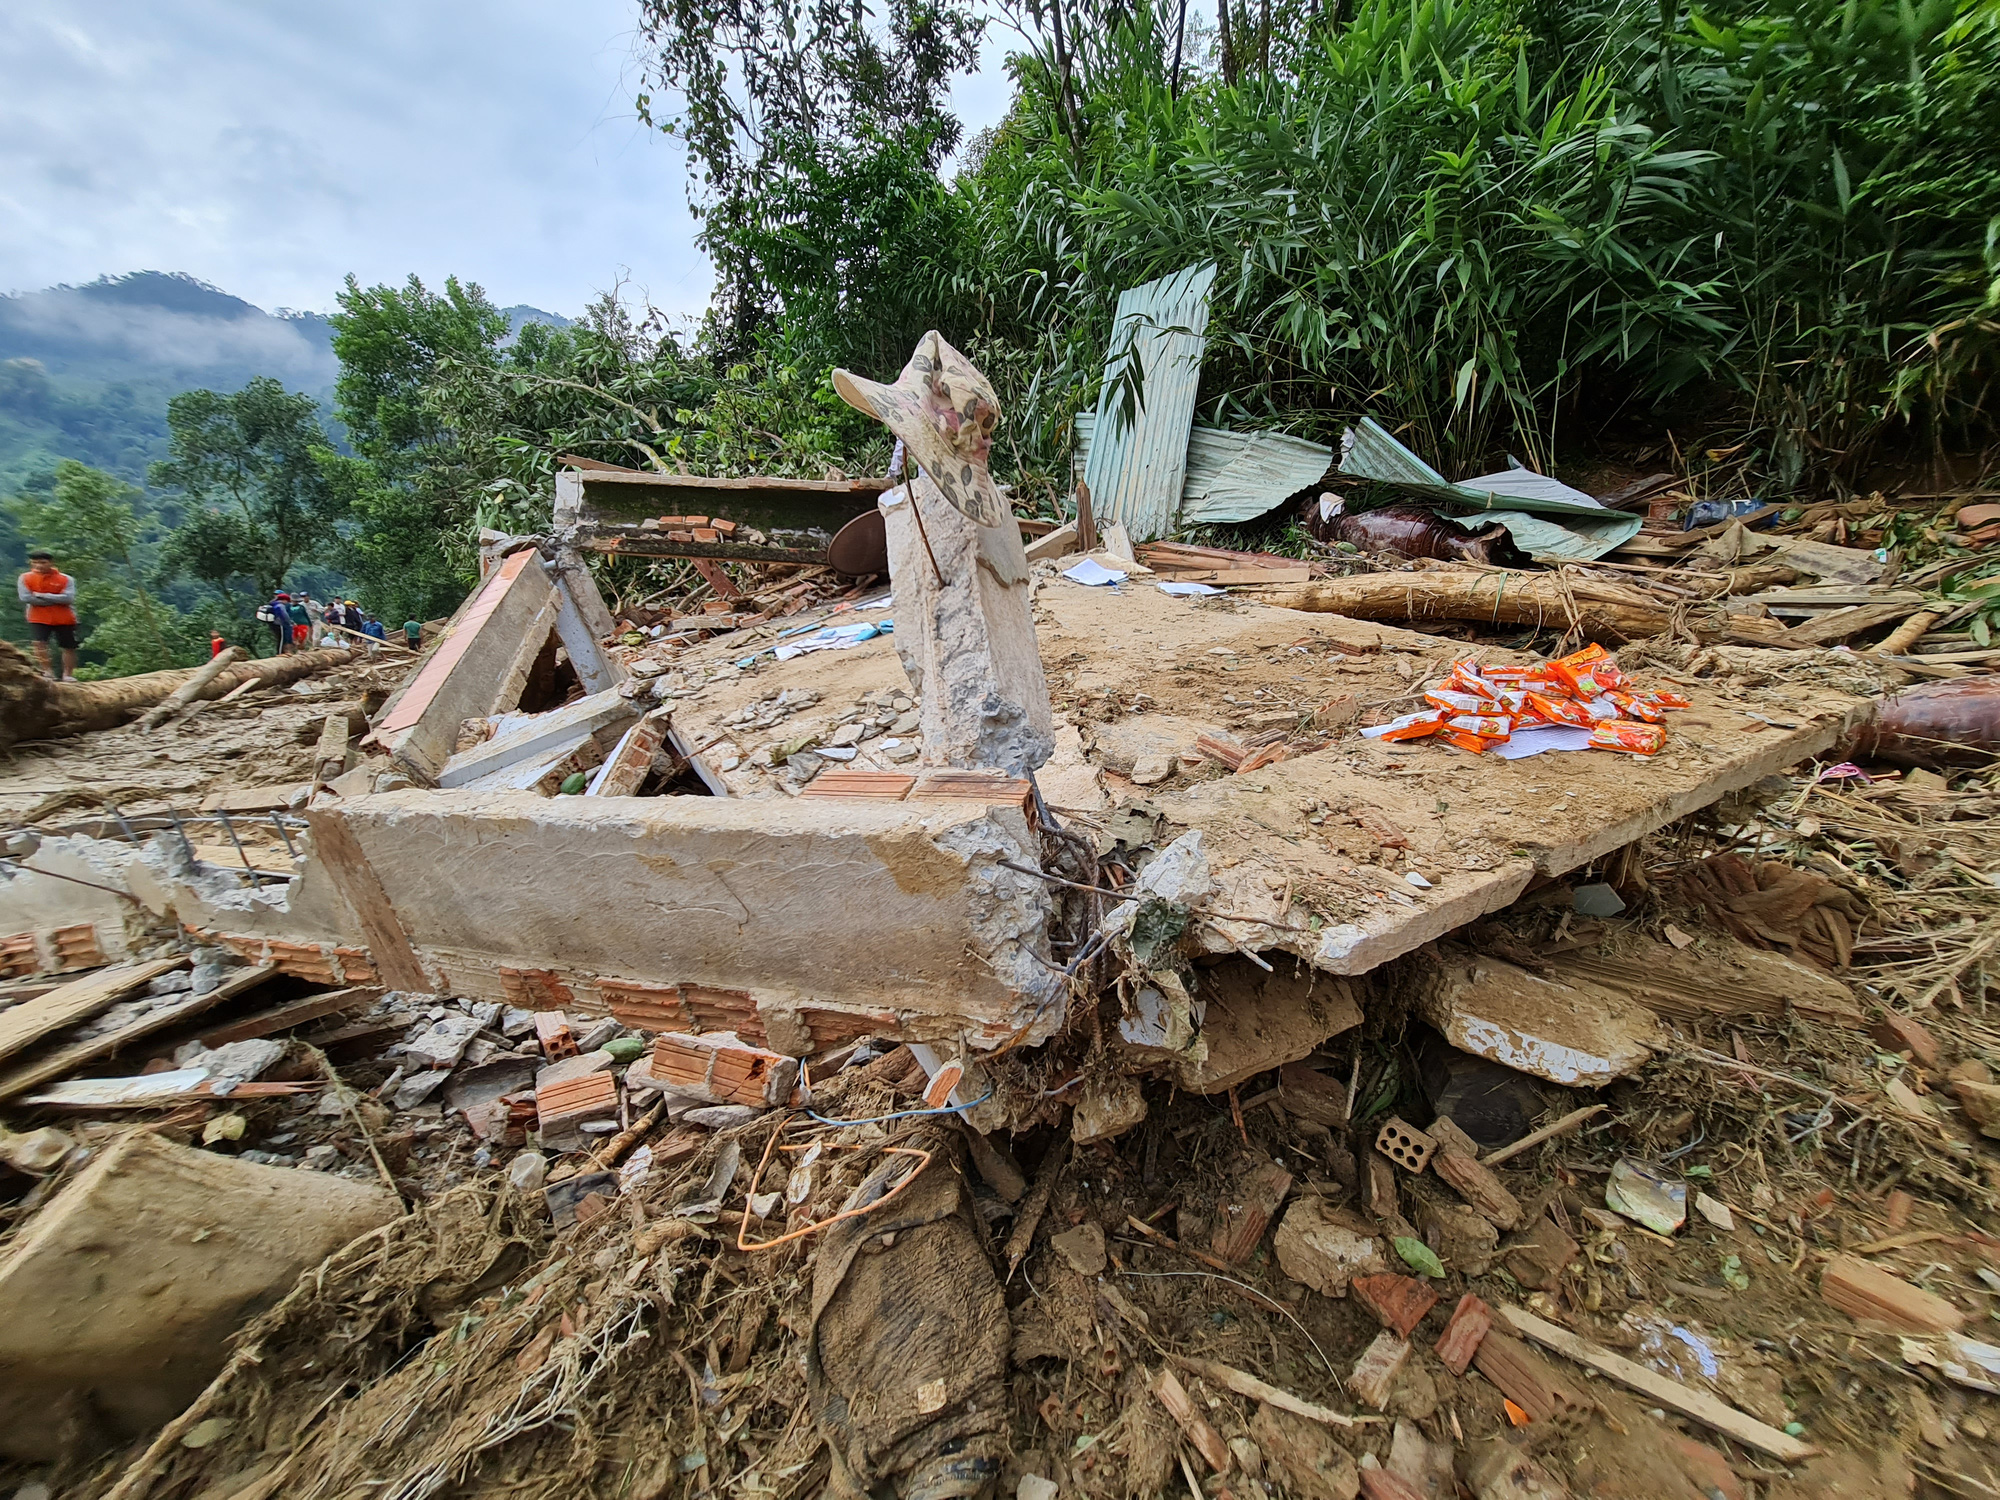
<point x="903" y="1115"/>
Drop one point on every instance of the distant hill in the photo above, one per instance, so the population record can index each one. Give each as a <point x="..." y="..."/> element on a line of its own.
<point x="86" y="371"/>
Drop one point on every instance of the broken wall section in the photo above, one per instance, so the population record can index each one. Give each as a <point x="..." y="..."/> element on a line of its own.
<point x="502" y="639"/>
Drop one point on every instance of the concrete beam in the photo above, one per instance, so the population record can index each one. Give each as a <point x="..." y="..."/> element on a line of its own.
<point x="542" y="732"/>
<point x="798" y="923"/>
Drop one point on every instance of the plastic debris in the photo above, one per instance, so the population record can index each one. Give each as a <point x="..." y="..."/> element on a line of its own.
<point x="1647" y="1196"/>
<point x="1093" y="574"/>
<point x="527" y="1172"/>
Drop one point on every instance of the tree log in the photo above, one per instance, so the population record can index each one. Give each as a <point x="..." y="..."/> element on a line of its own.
<point x="1607" y="614"/>
<point x="34" y="708"/>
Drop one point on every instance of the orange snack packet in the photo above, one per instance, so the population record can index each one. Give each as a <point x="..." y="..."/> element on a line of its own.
<point x="1459" y="739"/>
<point x="1561" y="710"/>
<point x="1414" y="726"/>
<point x="1488" y="726"/>
<point x="1457" y="701"/>
<point x="1619" y="734"/>
<point x="1637" y="706"/>
<point x="1590" y="672"/>
<point x="1466" y="678"/>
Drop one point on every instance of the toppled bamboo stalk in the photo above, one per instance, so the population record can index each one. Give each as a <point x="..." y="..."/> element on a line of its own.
<point x="190" y="690"/>
<point x="1709" y="1410"/>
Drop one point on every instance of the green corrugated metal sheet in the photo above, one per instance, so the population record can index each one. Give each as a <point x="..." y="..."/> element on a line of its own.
<point x="1514" y="497"/>
<point x="1232" y="476"/>
<point x="1135" y="474"/>
<point x="1572" y="539"/>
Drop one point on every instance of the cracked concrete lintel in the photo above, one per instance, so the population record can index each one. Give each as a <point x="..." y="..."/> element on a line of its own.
<point x="893" y="910"/>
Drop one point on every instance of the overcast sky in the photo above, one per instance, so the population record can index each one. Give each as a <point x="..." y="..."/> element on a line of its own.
<point x="272" y="148"/>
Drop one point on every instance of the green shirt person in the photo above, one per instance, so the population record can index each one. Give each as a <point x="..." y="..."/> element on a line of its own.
<point x="413" y="632"/>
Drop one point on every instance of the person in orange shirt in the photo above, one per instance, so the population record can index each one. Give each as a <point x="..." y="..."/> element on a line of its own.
<point x="50" y="595"/>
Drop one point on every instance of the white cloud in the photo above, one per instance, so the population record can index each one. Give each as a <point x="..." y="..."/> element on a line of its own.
<point x="272" y="148"/>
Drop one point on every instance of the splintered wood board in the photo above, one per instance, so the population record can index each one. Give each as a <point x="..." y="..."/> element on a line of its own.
<point x="68" y="1059"/>
<point x="21" y="1026"/>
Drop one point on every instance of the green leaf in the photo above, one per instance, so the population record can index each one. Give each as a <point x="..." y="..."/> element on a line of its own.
<point x="1418" y="1256"/>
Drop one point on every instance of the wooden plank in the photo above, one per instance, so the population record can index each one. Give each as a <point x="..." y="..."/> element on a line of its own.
<point x="1709" y="1410"/>
<point x="24" y="990"/>
<point x="387" y="943"/>
<point x="69" y="1059"/>
<point x="1236" y="577"/>
<point x="107" y="1099"/>
<point x="1479" y="1187"/>
<point x="296" y="1013"/>
<point x="21" y="1026"/>
<point x="750" y="485"/>
<point x="1844" y="624"/>
<point x="1866" y="1291"/>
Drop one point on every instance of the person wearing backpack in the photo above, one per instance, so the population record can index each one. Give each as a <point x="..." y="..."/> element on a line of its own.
<point x="278" y="616"/>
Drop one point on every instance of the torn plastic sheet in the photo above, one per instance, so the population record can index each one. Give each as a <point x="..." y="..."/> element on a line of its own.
<point x="1189" y="590"/>
<point x="1093" y="574"/>
<point x="1513" y="497"/>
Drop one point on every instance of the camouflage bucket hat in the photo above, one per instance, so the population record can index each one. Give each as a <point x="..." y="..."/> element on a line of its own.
<point x="946" y="412"/>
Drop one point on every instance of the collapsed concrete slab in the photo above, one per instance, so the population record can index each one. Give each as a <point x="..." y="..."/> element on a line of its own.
<point x="798" y="924"/>
<point x="117" y="1302"/>
<point x="60" y="907"/>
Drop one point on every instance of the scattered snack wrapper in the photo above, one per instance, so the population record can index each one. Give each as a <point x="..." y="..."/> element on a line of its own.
<point x="1476" y="708"/>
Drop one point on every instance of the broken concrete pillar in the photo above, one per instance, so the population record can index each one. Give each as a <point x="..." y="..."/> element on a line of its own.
<point x="118" y="1300"/>
<point x="965" y="634"/>
<point x="963" y="627"/>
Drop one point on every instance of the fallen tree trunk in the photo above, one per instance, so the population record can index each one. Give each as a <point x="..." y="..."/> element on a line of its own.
<point x="1611" y="615"/>
<point x="34" y="708"/>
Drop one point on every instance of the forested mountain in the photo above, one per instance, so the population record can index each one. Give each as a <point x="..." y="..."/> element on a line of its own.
<point x="86" y="371"/>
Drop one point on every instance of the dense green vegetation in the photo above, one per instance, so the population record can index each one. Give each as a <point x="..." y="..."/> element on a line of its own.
<point x="1500" y="223"/>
